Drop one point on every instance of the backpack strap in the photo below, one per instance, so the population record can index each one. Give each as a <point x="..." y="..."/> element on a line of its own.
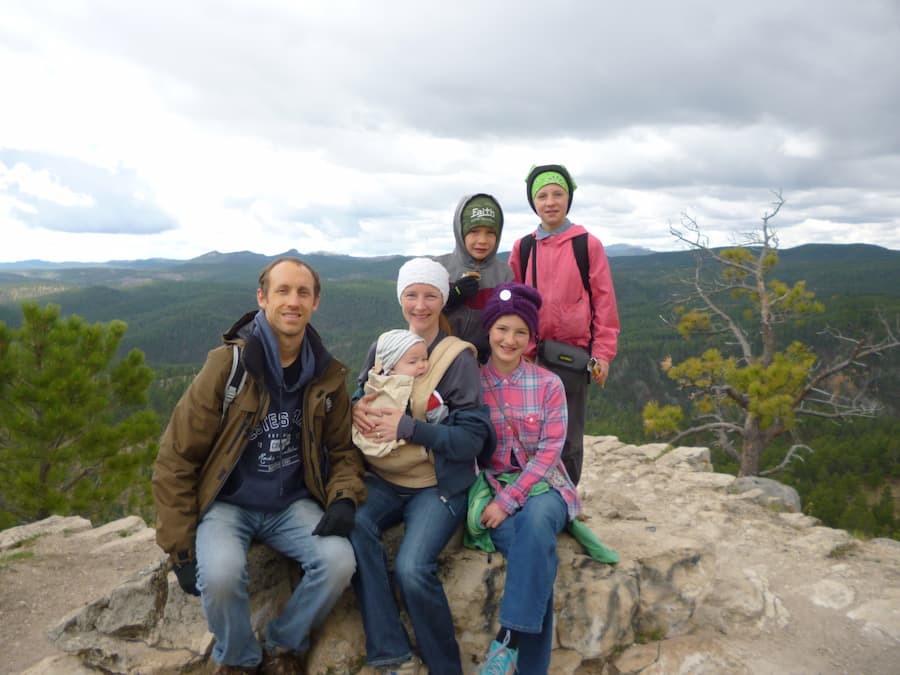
<point x="579" y="248"/>
<point x="236" y="378"/>
<point x="440" y="359"/>
<point x="526" y="246"/>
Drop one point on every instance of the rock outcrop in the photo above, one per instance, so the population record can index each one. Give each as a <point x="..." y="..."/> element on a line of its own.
<point x="714" y="578"/>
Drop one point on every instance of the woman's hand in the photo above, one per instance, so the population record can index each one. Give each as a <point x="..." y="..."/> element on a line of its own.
<point x="384" y="429"/>
<point x="492" y="515"/>
<point x="600" y="371"/>
<point x="376" y="424"/>
<point x="364" y="415"/>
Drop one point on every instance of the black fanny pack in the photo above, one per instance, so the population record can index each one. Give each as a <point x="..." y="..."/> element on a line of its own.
<point x="564" y="355"/>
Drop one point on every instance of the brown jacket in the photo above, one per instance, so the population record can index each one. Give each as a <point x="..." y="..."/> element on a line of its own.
<point x="196" y="457"/>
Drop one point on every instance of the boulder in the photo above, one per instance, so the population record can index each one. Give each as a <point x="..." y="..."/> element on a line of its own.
<point x="768" y="492"/>
<point x="709" y="582"/>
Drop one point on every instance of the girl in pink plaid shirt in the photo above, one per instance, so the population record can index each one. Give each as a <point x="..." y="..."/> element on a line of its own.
<point x="533" y="496"/>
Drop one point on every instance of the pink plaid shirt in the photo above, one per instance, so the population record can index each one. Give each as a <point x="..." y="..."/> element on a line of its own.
<point x="533" y="404"/>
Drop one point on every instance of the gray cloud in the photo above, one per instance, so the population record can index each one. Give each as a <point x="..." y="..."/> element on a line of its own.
<point x="100" y="201"/>
<point x="747" y="97"/>
<point x="505" y="70"/>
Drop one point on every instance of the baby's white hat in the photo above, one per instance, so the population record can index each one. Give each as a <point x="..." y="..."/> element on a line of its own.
<point x="391" y="346"/>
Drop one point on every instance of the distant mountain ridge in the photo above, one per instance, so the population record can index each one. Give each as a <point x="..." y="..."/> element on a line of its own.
<point x="217" y="257"/>
<point x="848" y="251"/>
<point x="176" y="310"/>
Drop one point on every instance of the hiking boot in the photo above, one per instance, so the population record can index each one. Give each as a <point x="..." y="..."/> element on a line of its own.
<point x="411" y="667"/>
<point x="500" y="660"/>
<point x="282" y="662"/>
<point x="225" y="669"/>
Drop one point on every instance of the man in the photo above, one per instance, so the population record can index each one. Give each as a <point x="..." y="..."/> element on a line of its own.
<point x="279" y="467"/>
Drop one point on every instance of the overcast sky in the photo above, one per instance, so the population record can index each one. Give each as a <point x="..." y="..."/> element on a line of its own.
<point x="169" y="129"/>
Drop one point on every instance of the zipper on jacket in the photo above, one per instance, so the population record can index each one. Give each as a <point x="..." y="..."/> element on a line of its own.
<point x="317" y="471"/>
<point x="447" y="504"/>
<point x="238" y="437"/>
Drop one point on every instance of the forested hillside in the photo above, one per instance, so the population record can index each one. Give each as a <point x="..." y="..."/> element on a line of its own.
<point x="177" y="311"/>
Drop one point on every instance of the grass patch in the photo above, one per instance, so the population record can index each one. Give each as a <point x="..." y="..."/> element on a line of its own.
<point x="778" y="507"/>
<point x="843" y="550"/>
<point x="25" y="543"/>
<point x="654" y="635"/>
<point x="15" y="557"/>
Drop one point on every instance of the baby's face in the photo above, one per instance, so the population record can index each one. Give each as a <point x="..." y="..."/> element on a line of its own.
<point x="413" y="362"/>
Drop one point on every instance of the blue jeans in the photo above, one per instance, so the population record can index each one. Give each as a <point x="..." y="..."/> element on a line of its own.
<point x="223" y="539"/>
<point x="429" y="524"/>
<point x="527" y="539"/>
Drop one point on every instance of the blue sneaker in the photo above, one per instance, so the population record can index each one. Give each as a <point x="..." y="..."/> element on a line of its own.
<point x="501" y="660"/>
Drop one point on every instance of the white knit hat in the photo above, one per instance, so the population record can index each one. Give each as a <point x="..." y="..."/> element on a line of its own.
<point x="391" y="346"/>
<point x="423" y="271"/>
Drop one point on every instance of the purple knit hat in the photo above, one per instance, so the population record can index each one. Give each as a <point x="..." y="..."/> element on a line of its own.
<point x="512" y="298"/>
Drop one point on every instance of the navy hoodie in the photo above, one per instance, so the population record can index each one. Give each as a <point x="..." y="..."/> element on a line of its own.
<point x="269" y="475"/>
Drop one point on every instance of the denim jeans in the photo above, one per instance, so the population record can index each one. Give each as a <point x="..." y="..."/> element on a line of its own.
<point x="429" y="524"/>
<point x="223" y="539"/>
<point x="527" y="539"/>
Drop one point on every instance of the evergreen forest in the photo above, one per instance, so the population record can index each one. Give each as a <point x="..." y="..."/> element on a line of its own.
<point x="176" y="311"/>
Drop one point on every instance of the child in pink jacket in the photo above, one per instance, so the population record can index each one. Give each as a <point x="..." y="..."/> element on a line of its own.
<point x="585" y="317"/>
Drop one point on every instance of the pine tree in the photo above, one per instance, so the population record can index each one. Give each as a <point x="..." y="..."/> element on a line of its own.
<point x="748" y="389"/>
<point x="76" y="436"/>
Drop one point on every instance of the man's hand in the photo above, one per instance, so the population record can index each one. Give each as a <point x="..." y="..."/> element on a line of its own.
<point x="463" y="289"/>
<point x="187" y="576"/>
<point x="338" y="519"/>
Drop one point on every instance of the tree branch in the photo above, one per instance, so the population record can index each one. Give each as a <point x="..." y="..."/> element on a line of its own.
<point x="724" y="426"/>
<point x="860" y="349"/>
<point x="792" y="454"/>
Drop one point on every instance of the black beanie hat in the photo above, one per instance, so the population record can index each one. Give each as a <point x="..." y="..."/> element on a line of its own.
<point x="537" y="171"/>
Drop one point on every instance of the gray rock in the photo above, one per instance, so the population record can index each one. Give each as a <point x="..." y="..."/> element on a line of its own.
<point x="708" y="583"/>
<point x="771" y="493"/>
<point x="14" y="536"/>
<point x="695" y="459"/>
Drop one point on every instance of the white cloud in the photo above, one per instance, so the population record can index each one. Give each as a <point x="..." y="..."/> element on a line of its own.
<point x="41" y="184"/>
<point x="356" y="127"/>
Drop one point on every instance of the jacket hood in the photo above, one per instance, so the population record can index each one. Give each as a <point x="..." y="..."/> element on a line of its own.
<point x="253" y="354"/>
<point x="461" y="261"/>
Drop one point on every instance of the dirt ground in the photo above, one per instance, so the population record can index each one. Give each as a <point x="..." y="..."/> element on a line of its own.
<point x="48" y="578"/>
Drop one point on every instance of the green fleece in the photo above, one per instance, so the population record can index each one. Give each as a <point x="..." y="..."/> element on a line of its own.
<point x="478" y="536"/>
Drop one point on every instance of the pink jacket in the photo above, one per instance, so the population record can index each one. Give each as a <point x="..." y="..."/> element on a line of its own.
<point x="565" y="315"/>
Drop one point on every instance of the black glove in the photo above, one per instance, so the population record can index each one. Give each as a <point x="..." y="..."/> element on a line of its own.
<point x="464" y="288"/>
<point x="187" y="576"/>
<point x="338" y="519"/>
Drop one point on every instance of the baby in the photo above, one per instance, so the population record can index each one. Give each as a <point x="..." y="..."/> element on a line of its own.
<point x="400" y="357"/>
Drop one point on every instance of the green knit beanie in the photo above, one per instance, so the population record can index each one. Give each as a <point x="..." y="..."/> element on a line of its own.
<point x="482" y="211"/>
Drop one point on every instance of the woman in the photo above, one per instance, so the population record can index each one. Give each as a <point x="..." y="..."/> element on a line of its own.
<point x="533" y="498"/>
<point x="569" y="268"/>
<point x="421" y="484"/>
